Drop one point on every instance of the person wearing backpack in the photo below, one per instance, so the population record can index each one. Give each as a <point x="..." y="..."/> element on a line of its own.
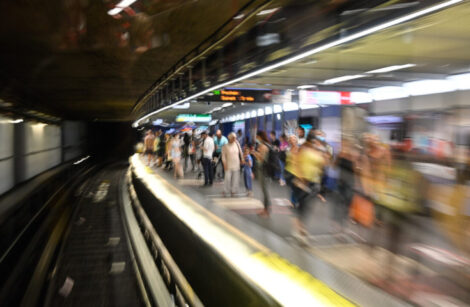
<point x="262" y="154"/>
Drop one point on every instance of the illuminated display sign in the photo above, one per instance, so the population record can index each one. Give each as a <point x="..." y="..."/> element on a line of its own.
<point x="324" y="97"/>
<point x="239" y="95"/>
<point x="195" y="118"/>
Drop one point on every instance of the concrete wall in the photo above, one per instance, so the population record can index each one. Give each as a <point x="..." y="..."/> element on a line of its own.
<point x="6" y="155"/>
<point x="29" y="148"/>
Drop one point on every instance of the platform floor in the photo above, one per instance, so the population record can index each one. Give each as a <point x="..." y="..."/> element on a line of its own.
<point x="349" y="251"/>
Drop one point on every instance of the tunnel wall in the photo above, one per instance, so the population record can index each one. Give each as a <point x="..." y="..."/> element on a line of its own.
<point x="6" y="155"/>
<point x="30" y="148"/>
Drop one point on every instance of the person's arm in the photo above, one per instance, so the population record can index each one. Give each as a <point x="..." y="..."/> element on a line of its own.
<point x="224" y="158"/>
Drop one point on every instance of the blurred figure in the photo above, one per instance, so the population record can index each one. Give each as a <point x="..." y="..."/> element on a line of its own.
<point x="240" y="137"/>
<point x="301" y="135"/>
<point x="346" y="165"/>
<point x="219" y="142"/>
<point x="192" y="149"/>
<point x="275" y="146"/>
<point x="175" y="151"/>
<point x="161" y="149"/>
<point x="207" y="153"/>
<point x="156" y="145"/>
<point x="186" y="142"/>
<point x="283" y="146"/>
<point x="232" y="158"/>
<point x="261" y="156"/>
<point x="291" y="169"/>
<point x="307" y="183"/>
<point x="247" y="171"/>
<point x="168" y="160"/>
<point x="149" y="141"/>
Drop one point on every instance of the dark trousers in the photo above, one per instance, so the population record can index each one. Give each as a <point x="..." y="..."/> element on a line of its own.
<point x="208" y="173"/>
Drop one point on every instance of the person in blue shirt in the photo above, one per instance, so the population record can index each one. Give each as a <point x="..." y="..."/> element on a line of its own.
<point x="219" y="142"/>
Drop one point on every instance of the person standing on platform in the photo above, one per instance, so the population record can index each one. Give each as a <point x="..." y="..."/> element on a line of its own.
<point x="247" y="171"/>
<point x="240" y="137"/>
<point x="219" y="142"/>
<point x="261" y="155"/>
<point x="207" y="153"/>
<point x="307" y="184"/>
<point x="301" y="135"/>
<point x="149" y="141"/>
<point x="231" y="158"/>
<point x="175" y="151"/>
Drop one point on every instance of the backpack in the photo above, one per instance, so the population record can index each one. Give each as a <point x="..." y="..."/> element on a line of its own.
<point x="272" y="165"/>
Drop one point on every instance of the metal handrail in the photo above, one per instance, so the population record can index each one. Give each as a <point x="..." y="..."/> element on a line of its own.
<point x="174" y="278"/>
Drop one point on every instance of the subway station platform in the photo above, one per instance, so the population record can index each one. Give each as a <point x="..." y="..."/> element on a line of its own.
<point x="344" y="264"/>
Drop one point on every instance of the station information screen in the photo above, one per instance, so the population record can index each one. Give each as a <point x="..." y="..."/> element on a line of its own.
<point x="240" y="95"/>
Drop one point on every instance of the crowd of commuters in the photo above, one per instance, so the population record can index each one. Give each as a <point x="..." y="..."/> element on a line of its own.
<point x="359" y="173"/>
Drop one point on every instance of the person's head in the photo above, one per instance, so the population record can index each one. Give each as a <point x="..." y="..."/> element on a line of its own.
<point x="262" y="137"/>
<point x="246" y="150"/>
<point x="320" y="135"/>
<point x="218" y="133"/>
<point x="239" y="132"/>
<point x="148" y="132"/>
<point x="232" y="137"/>
<point x="283" y="137"/>
<point x="301" y="132"/>
<point x="203" y="134"/>
<point x="312" y="138"/>
<point x="272" y="134"/>
<point x="293" y="141"/>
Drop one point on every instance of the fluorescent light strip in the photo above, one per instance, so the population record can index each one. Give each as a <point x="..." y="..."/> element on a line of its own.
<point x="343" y="78"/>
<point x="120" y="6"/>
<point x="390" y="68"/>
<point x="313" y="51"/>
<point x="267" y="12"/>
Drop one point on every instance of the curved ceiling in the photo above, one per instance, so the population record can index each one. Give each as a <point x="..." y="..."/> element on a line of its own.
<point x="70" y="58"/>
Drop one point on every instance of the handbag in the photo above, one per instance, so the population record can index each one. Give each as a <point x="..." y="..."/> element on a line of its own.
<point x="362" y="210"/>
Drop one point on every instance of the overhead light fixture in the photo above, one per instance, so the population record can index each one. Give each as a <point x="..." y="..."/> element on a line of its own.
<point x="426" y="87"/>
<point x="343" y="78"/>
<point x="390" y="68"/>
<point x="120" y="6"/>
<point x="185" y="105"/>
<point x="16" y="121"/>
<point x="462" y="81"/>
<point x="239" y="16"/>
<point x="227" y="104"/>
<point x="267" y="12"/>
<point x="254" y="114"/>
<point x="247" y="115"/>
<point x="277" y="108"/>
<point x="306" y="86"/>
<point x="278" y="116"/>
<point x="315" y="50"/>
<point x="268" y="110"/>
<point x="260" y="112"/>
<point x="291" y="106"/>
<point x="388" y="92"/>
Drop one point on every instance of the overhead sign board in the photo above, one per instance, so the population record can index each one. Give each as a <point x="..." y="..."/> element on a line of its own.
<point x="240" y="95"/>
<point x="324" y="97"/>
<point x="195" y="118"/>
